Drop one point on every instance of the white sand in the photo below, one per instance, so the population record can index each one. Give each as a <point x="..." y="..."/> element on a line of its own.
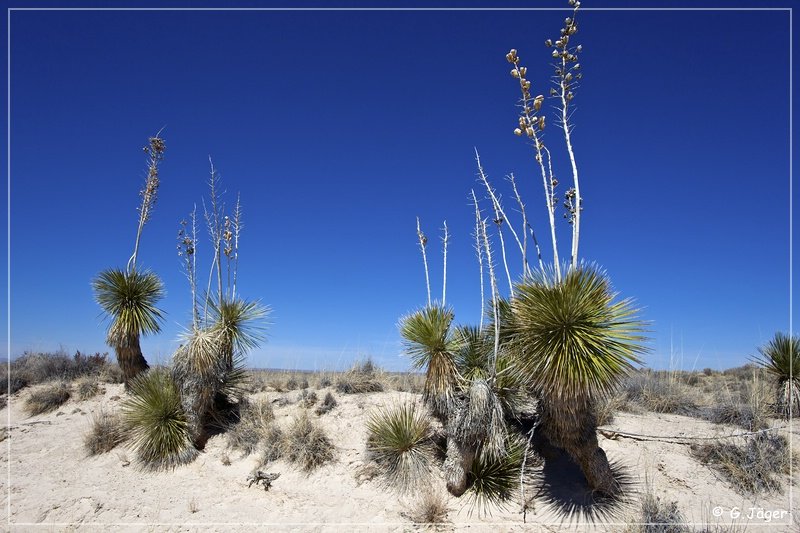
<point x="53" y="482"/>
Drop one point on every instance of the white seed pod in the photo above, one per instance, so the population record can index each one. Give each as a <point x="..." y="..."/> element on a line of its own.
<point x="523" y="70"/>
<point x="555" y="53"/>
<point x="514" y="73"/>
<point x="568" y="77"/>
<point x="529" y="131"/>
<point x="537" y="102"/>
<point x="548" y="43"/>
<point x="541" y="122"/>
<point x="579" y="49"/>
<point x="517" y="132"/>
<point x="526" y="84"/>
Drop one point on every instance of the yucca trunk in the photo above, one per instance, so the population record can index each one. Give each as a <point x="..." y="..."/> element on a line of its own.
<point x="457" y="465"/>
<point x="572" y="427"/>
<point x="789" y="398"/>
<point x="131" y="361"/>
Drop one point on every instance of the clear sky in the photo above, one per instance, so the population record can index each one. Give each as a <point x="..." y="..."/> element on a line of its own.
<point x="339" y="128"/>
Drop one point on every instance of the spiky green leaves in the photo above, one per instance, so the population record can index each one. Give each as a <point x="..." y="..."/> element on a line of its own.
<point x="130" y="300"/>
<point x="430" y="342"/>
<point x="495" y="479"/>
<point x="239" y="322"/>
<point x="399" y="441"/>
<point x="572" y="338"/>
<point x="781" y="358"/>
<point x="158" y="427"/>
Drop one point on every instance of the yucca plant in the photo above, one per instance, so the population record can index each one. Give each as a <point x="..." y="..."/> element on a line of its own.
<point x="431" y="344"/>
<point x="129" y="298"/>
<point x="781" y="358"/>
<point x="157" y="425"/>
<point x="399" y="441"/>
<point x="575" y="343"/>
<point x="494" y="479"/>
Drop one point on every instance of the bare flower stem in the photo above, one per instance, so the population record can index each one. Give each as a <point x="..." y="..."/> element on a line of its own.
<point x="155" y="151"/>
<point x="495" y="305"/>
<point x="478" y="248"/>
<point x="526" y="269"/>
<point x="444" y="277"/>
<point x="423" y="242"/>
<point x="237" y="227"/>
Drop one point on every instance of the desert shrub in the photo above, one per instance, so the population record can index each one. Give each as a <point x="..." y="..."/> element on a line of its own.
<point x="33" y="368"/>
<point x="157" y="423"/>
<point x="430" y="507"/>
<point x="111" y="373"/>
<point x="47" y="398"/>
<point x="308" y="399"/>
<point x="752" y="468"/>
<point x="292" y="384"/>
<point x="707" y="372"/>
<point x="307" y="445"/>
<point x="303" y="383"/>
<point x="107" y="431"/>
<point x="399" y="440"/>
<point x="87" y="387"/>
<point x="3" y="401"/>
<point x="255" y="419"/>
<point x="324" y="381"/>
<point x="328" y="403"/>
<point x="272" y="444"/>
<point x="661" y="392"/>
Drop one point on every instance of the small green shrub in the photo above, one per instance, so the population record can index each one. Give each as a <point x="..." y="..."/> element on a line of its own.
<point x="307" y="445"/>
<point x="106" y="433"/>
<point x="47" y="398"/>
<point x="399" y="440"/>
<point x="158" y="426"/>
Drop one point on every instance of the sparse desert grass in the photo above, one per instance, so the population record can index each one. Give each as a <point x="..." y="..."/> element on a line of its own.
<point x="657" y="516"/>
<point x="430" y="507"/>
<point x="306" y="444"/>
<point x="33" y="368"/>
<point x="272" y="445"/>
<point x="753" y="467"/>
<point x="3" y="401"/>
<point x="87" y="387"/>
<point x="399" y="441"/>
<point x="255" y="419"/>
<point x="328" y="403"/>
<point x="47" y="398"/>
<point x="661" y="392"/>
<point x="106" y="433"/>
<point x="363" y="377"/>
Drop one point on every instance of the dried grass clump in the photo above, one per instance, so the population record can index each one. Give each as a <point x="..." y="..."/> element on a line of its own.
<point x="106" y="433"/>
<point x="255" y="419"/>
<point x="47" y="398"/>
<point x="292" y="383"/>
<point x="607" y="407"/>
<point x="87" y="387"/>
<point x="3" y="401"/>
<point x="307" y="445"/>
<point x="308" y="399"/>
<point x="399" y="441"/>
<point x="363" y="377"/>
<point x="658" y="516"/>
<point x="661" y="392"/>
<point x="272" y="444"/>
<point x="328" y="403"/>
<point x="430" y="507"/>
<point x="752" y="468"/>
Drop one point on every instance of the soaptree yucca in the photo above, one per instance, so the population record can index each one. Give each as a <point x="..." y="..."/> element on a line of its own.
<point x="432" y="345"/>
<point x="129" y="296"/>
<point x="781" y="358"/>
<point x="576" y="343"/>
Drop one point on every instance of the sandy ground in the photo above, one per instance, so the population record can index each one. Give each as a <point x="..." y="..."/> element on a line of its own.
<point x="54" y="483"/>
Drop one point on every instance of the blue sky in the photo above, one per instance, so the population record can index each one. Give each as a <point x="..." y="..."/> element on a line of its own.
<point x="339" y="128"/>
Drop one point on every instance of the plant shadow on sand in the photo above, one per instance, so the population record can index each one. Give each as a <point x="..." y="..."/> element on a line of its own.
<point x="563" y="488"/>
